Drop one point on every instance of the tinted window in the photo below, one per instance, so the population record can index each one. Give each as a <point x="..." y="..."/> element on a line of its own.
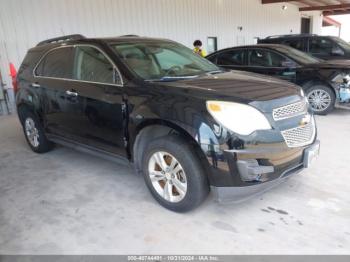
<point x="321" y="46"/>
<point x="341" y="43"/>
<point x="235" y="57"/>
<point x="212" y="58"/>
<point x="57" y="63"/>
<point x="296" y="55"/>
<point x="295" y="43"/>
<point x="92" y="65"/>
<point x="259" y="57"/>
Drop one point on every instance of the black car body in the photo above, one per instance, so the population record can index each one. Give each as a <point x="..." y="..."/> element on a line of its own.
<point x="324" y="47"/>
<point x="325" y="79"/>
<point x="117" y="109"/>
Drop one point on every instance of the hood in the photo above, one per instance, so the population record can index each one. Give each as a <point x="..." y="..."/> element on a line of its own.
<point x="242" y="86"/>
<point x="332" y="64"/>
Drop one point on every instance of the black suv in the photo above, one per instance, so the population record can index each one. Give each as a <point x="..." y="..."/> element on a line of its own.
<point x="324" y="47"/>
<point x="324" y="82"/>
<point x="182" y="122"/>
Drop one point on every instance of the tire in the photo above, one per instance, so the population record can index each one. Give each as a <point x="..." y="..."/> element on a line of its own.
<point x="187" y="185"/>
<point x="34" y="132"/>
<point x="321" y="99"/>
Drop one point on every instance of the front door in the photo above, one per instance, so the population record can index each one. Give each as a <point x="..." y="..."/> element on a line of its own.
<point x="98" y="91"/>
<point x="267" y="62"/>
<point x="324" y="48"/>
<point x="230" y="59"/>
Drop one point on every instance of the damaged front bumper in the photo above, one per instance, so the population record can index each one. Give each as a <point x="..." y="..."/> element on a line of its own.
<point x="251" y="170"/>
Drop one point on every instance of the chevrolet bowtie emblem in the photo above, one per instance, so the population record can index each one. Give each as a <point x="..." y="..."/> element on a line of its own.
<point x="306" y="119"/>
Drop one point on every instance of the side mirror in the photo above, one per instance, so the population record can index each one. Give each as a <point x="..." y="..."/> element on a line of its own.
<point x="337" y="51"/>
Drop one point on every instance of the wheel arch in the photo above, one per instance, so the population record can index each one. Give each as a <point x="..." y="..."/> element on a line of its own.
<point x="154" y="128"/>
<point x="22" y="106"/>
<point x="308" y="84"/>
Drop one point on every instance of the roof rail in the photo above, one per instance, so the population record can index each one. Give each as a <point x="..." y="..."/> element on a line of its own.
<point x="61" y="39"/>
<point x="130" y="35"/>
<point x="289" y="35"/>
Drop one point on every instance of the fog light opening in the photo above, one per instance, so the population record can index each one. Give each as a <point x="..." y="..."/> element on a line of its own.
<point x="250" y="170"/>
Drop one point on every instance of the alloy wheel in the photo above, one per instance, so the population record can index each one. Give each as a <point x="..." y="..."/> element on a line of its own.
<point x="167" y="176"/>
<point x="319" y="100"/>
<point x="32" y="132"/>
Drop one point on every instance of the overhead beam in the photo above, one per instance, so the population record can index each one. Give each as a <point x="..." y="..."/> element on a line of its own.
<point x="325" y="7"/>
<point x="338" y="12"/>
<point x="276" y="1"/>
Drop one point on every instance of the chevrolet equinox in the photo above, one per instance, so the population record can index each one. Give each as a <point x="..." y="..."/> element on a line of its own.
<point x="187" y="126"/>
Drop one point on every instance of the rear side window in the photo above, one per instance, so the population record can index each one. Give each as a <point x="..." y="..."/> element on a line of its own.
<point x="92" y="65"/>
<point x="233" y="57"/>
<point x="57" y="63"/>
<point x="27" y="63"/>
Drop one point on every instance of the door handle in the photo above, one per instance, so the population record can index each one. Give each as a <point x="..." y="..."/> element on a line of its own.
<point x="71" y="93"/>
<point x="35" y="85"/>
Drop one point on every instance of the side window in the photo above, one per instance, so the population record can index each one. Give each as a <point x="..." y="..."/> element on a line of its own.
<point x="266" y="58"/>
<point x="212" y="58"/>
<point x="320" y="46"/>
<point x="93" y="66"/>
<point x="295" y="43"/>
<point x="57" y="63"/>
<point x="235" y="57"/>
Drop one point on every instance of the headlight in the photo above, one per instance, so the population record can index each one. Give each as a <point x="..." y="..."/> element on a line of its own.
<point x="340" y="78"/>
<point x="239" y="118"/>
<point x="302" y="93"/>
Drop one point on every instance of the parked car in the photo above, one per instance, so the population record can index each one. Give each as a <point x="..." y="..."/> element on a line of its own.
<point x="182" y="122"/>
<point x="324" y="82"/>
<point x="324" y="47"/>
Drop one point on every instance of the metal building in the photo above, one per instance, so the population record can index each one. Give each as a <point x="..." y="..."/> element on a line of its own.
<point x="218" y="23"/>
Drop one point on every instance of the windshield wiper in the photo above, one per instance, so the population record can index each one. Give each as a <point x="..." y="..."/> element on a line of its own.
<point x="214" y="72"/>
<point x="175" y="78"/>
<point x="171" y="78"/>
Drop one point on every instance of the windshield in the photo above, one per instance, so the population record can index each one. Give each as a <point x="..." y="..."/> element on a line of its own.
<point x="298" y="56"/>
<point x="342" y="43"/>
<point x="163" y="60"/>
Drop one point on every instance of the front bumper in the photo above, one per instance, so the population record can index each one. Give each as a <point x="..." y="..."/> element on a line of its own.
<point x="246" y="190"/>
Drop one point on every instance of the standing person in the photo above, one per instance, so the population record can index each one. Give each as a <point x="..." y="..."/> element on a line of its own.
<point x="198" y="48"/>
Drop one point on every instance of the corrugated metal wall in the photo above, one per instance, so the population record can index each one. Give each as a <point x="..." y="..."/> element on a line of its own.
<point x="23" y="23"/>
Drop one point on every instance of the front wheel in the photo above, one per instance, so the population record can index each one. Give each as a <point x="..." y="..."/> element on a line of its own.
<point x="174" y="174"/>
<point x="321" y="99"/>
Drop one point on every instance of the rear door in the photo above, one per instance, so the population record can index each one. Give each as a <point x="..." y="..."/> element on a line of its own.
<point x="268" y="62"/>
<point x="82" y="97"/>
<point x="51" y="75"/>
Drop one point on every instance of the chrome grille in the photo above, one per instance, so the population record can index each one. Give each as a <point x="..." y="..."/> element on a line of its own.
<point x="289" y="111"/>
<point x="300" y="136"/>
